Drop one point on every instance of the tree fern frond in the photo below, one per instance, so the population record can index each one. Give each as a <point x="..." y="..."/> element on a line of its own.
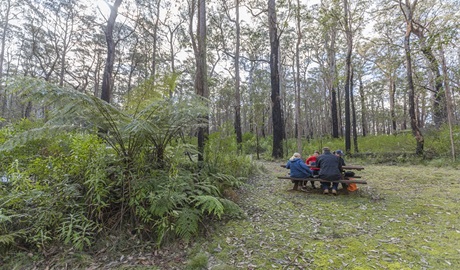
<point x="33" y="135"/>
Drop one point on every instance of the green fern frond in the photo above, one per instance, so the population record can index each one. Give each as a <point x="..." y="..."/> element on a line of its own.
<point x="165" y="202"/>
<point x="228" y="180"/>
<point x="9" y="238"/>
<point x="209" y="204"/>
<point x="206" y="188"/>
<point x="231" y="208"/>
<point x="187" y="223"/>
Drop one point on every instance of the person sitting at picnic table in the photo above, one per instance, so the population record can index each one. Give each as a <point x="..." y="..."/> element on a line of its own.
<point x="298" y="168"/>
<point x="311" y="161"/>
<point x="339" y="154"/>
<point x="349" y="187"/>
<point x="330" y="168"/>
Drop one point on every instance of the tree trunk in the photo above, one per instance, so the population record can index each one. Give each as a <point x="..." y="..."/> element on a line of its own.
<point x="349" y="37"/>
<point x="439" y="101"/>
<point x="363" y="106"/>
<point x="404" y="123"/>
<point x="448" y="103"/>
<point x="5" y="28"/>
<point x="297" y="88"/>
<point x="107" y="85"/>
<point x="392" y="102"/>
<point x="201" y="86"/>
<point x="237" y="124"/>
<point x="413" y="118"/>
<point x="353" y="110"/>
<point x="155" y="42"/>
<point x="333" y="85"/>
<point x="275" y="83"/>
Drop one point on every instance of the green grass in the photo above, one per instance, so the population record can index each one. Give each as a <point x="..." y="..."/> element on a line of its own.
<point x="405" y="218"/>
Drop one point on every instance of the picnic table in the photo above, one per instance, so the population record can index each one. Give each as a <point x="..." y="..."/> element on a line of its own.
<point x="345" y="180"/>
<point x="346" y="167"/>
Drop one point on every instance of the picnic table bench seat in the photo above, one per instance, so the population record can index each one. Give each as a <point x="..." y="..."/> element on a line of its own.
<point x="347" y="180"/>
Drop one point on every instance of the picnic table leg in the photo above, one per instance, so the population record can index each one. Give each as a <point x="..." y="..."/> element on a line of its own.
<point x="296" y="185"/>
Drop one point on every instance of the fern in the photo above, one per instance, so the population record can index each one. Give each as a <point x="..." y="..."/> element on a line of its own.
<point x="187" y="223"/>
<point x="209" y="204"/>
<point x="231" y="208"/>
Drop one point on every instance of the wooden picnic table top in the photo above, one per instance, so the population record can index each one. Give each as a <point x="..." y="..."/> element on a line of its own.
<point x="346" y="167"/>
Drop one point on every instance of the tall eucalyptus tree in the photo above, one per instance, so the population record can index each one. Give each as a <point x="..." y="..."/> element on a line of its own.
<point x="148" y="10"/>
<point x="237" y="123"/>
<point x="329" y="21"/>
<point x="421" y="25"/>
<point x="5" y="17"/>
<point x="348" y="73"/>
<point x="65" y="18"/>
<point x="407" y="8"/>
<point x="278" y="127"/>
<point x="7" y="13"/>
<point x="199" y="47"/>
<point x="106" y="91"/>
<point x="297" y="75"/>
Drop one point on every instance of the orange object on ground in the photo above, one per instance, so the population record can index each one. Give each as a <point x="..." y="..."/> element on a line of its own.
<point x="352" y="187"/>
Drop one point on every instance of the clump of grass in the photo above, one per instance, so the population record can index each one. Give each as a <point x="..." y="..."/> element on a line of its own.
<point x="199" y="262"/>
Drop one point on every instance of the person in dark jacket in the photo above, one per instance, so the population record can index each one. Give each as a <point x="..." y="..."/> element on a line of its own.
<point x="297" y="167"/>
<point x="330" y="168"/>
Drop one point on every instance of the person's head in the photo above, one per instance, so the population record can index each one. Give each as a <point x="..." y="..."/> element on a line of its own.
<point x="316" y="153"/>
<point x="338" y="153"/>
<point x="296" y="155"/>
<point x="326" y="150"/>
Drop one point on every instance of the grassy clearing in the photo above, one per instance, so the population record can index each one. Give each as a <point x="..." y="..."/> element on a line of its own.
<point x="405" y="218"/>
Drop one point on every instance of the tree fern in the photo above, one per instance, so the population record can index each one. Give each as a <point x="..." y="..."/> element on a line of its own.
<point x="157" y="123"/>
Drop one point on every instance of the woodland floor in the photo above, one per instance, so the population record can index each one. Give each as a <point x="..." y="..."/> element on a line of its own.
<point x="405" y="218"/>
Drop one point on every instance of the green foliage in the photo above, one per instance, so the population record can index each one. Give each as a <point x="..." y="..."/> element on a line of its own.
<point x="251" y="144"/>
<point x="221" y="154"/>
<point x="389" y="149"/>
<point x="44" y="199"/>
<point x="198" y="262"/>
<point x="92" y="167"/>
<point x="77" y="230"/>
<point x="178" y="204"/>
<point x="187" y="222"/>
<point x="438" y="142"/>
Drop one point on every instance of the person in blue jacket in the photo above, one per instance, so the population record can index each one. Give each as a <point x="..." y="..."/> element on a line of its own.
<point x="298" y="168"/>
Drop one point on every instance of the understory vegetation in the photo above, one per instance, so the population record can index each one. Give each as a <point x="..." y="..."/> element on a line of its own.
<point x="92" y="170"/>
<point x="92" y="175"/>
